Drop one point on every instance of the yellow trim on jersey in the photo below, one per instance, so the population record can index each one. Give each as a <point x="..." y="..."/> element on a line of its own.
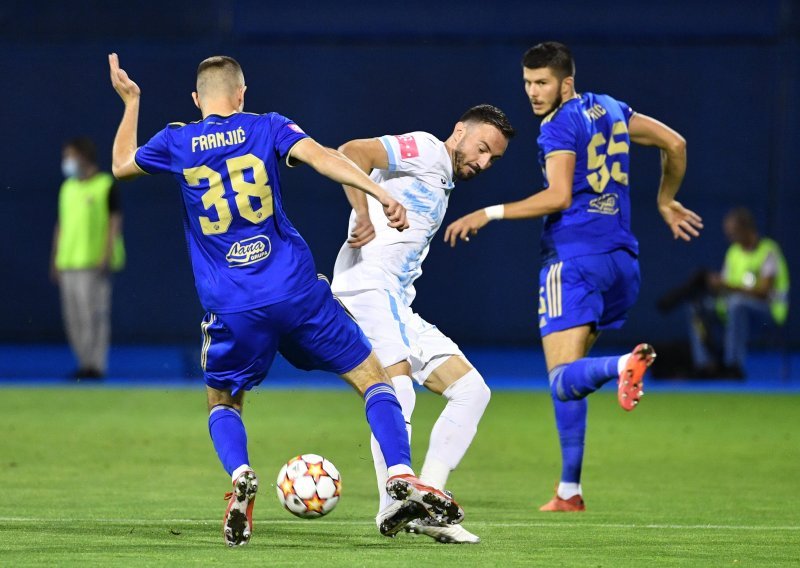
<point x="555" y="152"/>
<point x="550" y="116"/>
<point x="177" y="124"/>
<point x="289" y="155"/>
<point x="138" y="167"/>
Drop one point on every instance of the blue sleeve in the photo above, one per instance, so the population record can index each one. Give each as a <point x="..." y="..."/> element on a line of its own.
<point x="558" y="135"/>
<point x="286" y="134"/>
<point x="627" y="111"/>
<point x="154" y="157"/>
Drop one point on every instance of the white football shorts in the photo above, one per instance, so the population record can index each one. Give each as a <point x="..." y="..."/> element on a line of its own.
<point x="398" y="334"/>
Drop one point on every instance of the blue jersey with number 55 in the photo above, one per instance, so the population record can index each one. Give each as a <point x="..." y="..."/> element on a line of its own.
<point x="595" y="129"/>
<point x="245" y="253"/>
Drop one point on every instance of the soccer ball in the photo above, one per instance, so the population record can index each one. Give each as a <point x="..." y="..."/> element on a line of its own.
<point x="309" y="486"/>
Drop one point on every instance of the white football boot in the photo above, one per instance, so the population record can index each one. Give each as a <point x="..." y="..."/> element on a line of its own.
<point x="440" y="532"/>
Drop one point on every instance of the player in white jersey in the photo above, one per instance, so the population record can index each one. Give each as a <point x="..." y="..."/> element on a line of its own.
<point x="374" y="278"/>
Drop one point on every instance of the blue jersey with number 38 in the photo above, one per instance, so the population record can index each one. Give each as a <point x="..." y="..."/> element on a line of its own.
<point x="595" y="129"/>
<point x="245" y="253"/>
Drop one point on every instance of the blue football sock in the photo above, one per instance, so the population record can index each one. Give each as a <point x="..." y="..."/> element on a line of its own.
<point x="571" y="424"/>
<point x="388" y="426"/>
<point x="582" y="377"/>
<point x="229" y="437"/>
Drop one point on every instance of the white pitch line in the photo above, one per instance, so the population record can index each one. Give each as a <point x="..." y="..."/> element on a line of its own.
<point x="369" y="523"/>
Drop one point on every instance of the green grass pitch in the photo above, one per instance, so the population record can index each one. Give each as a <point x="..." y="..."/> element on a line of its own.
<point x="107" y="477"/>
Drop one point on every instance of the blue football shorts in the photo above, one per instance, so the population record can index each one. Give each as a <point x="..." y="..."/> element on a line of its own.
<point x="311" y="330"/>
<point x="595" y="290"/>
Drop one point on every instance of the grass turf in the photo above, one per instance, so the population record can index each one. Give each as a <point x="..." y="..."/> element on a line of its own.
<point x="118" y="477"/>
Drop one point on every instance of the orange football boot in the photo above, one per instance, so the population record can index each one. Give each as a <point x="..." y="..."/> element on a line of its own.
<point x="631" y="380"/>
<point x="237" y="524"/>
<point x="574" y="504"/>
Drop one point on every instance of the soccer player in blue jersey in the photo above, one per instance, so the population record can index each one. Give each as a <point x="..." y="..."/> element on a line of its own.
<point x="590" y="274"/>
<point x="256" y="278"/>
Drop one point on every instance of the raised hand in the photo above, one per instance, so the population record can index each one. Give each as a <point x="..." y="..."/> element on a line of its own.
<point x="465" y="227"/>
<point x="127" y="90"/>
<point x="684" y="223"/>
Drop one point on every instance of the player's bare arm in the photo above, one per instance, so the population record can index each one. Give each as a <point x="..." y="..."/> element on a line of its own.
<point x="123" y="165"/>
<point x="557" y="197"/>
<point x="367" y="154"/>
<point x="336" y="166"/>
<point x="647" y="131"/>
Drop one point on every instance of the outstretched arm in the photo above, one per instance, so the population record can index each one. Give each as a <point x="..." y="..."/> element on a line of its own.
<point x="367" y="154"/>
<point x="336" y="166"/>
<point x="560" y="170"/>
<point x="123" y="165"/>
<point x="647" y="131"/>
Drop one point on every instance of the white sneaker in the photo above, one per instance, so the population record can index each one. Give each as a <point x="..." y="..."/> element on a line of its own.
<point x="449" y="534"/>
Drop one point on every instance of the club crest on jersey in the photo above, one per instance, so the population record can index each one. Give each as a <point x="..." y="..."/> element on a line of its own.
<point x="249" y="251"/>
<point x="605" y="204"/>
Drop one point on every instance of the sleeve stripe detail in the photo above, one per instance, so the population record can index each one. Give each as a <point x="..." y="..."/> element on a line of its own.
<point x="389" y="153"/>
<point x="138" y="167"/>
<point x="556" y="152"/>
<point x="289" y="153"/>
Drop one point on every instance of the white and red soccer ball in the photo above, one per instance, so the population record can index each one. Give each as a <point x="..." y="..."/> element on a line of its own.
<point x="309" y="486"/>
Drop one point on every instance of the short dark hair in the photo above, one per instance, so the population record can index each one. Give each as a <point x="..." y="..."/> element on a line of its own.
<point x="84" y="146"/>
<point x="225" y="71"/>
<point x="219" y="62"/>
<point x="553" y="55"/>
<point x="490" y="114"/>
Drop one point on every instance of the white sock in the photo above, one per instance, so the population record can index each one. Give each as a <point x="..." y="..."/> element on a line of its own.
<point x="400" y="469"/>
<point x="622" y="362"/>
<point x="404" y="390"/>
<point x="567" y="490"/>
<point x="456" y="427"/>
<point x="434" y="472"/>
<point x="239" y="471"/>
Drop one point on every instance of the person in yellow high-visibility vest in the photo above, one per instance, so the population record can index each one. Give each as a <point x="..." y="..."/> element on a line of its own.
<point x="87" y="248"/>
<point x="752" y="290"/>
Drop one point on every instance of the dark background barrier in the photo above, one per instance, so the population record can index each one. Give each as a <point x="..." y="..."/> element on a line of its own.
<point x="724" y="74"/>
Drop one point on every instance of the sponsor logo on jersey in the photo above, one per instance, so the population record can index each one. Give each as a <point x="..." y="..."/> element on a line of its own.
<point x="607" y="204"/>
<point x="408" y="147"/>
<point x="249" y="251"/>
<point x="296" y="128"/>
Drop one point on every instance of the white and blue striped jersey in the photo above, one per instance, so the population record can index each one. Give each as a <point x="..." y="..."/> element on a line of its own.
<point x="420" y="176"/>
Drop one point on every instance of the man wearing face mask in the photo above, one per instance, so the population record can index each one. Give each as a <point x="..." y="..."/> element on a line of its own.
<point x="87" y="248"/>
